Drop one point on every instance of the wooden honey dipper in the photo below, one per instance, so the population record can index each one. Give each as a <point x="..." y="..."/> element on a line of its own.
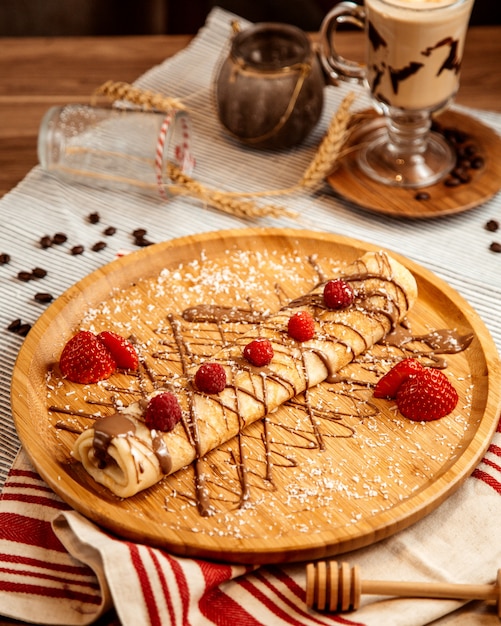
<point x="331" y="586"/>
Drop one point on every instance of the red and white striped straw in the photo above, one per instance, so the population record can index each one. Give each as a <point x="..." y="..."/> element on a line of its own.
<point x="159" y="156"/>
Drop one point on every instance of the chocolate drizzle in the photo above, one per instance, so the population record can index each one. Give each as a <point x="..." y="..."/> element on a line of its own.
<point x="397" y="75"/>
<point x="453" y="61"/>
<point x="311" y="433"/>
<point x="431" y="345"/>
<point x="105" y="430"/>
<point x="161" y="452"/>
<point x="210" y="313"/>
<point x="377" y="41"/>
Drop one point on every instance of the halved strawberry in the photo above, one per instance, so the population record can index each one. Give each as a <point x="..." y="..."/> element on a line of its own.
<point x="426" y="396"/>
<point x="85" y="359"/>
<point x="388" y="385"/>
<point x="121" y="349"/>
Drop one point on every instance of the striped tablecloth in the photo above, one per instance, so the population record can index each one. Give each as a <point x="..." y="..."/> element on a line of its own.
<point x="55" y="566"/>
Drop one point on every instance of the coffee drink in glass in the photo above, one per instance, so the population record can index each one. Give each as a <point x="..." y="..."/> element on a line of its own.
<point x="413" y="55"/>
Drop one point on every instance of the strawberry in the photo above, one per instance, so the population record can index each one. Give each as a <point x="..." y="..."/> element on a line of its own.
<point x="427" y="395"/>
<point x="388" y="385"/>
<point x="259" y="352"/>
<point x="301" y="326"/>
<point x="338" y="294"/>
<point x="210" y="378"/>
<point x="163" y="412"/>
<point x="85" y="359"/>
<point x="121" y="350"/>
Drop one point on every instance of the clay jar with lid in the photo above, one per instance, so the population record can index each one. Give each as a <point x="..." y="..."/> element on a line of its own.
<point x="269" y="90"/>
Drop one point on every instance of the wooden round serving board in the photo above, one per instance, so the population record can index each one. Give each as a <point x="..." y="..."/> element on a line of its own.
<point x="354" y="185"/>
<point x="378" y="473"/>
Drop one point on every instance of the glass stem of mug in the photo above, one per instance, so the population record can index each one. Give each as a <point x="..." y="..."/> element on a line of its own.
<point x="408" y="134"/>
<point x="406" y="153"/>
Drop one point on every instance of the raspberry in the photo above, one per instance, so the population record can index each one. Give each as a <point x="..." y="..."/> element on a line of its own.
<point x="163" y="412"/>
<point x="85" y="359"/>
<point x="338" y="294"/>
<point x="388" y="385"/>
<point x="427" y="395"/>
<point x="259" y="352"/>
<point x="210" y="378"/>
<point x="301" y="326"/>
<point x="123" y="351"/>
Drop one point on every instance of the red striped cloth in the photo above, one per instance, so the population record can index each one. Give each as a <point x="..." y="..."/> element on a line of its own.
<point x="36" y="571"/>
<point x="56" y="567"/>
<point x="490" y="469"/>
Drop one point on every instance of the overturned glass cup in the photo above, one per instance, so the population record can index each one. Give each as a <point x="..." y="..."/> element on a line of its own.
<point x="115" y="148"/>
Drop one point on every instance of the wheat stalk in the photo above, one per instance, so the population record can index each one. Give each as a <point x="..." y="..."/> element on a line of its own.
<point x="140" y="97"/>
<point x="234" y="203"/>
<point x="330" y="147"/>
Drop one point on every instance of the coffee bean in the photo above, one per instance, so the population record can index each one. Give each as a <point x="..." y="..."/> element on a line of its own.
<point x="77" y="250"/>
<point x="24" y="329"/>
<point x="468" y="155"/>
<point x="462" y="174"/>
<point x="4" y="258"/>
<point x="464" y="163"/>
<point x="422" y="195"/>
<point x="59" y="238"/>
<point x="44" y="298"/>
<point x="94" y="218"/>
<point x="142" y="242"/>
<point x="25" y="276"/>
<point x="111" y="230"/>
<point x="46" y="241"/>
<point x="39" y="272"/>
<point x="98" y="246"/>
<point x="456" y="136"/>
<point x="495" y="246"/>
<point x="14" y="325"/>
<point x="452" y="181"/>
<point x="477" y="163"/>
<point x="139" y="235"/>
<point x="492" y="226"/>
<point x="470" y="150"/>
<point x="17" y="326"/>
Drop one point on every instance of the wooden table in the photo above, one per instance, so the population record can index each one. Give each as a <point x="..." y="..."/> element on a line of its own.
<point x="36" y="73"/>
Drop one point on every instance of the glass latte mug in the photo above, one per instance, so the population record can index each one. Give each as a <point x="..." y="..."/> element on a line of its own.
<point x="413" y="59"/>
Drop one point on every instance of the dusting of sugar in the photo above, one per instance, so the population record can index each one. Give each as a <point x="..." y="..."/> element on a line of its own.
<point x="380" y="464"/>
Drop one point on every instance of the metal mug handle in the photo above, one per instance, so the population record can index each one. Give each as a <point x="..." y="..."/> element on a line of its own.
<point x="336" y="66"/>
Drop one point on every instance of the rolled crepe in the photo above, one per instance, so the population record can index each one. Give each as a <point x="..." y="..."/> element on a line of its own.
<point x="121" y="453"/>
